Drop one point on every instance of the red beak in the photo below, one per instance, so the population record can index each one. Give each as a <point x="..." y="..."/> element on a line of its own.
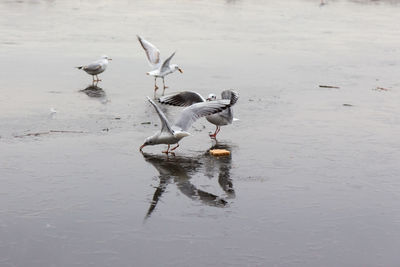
<point x="180" y="70"/>
<point x="141" y="147"/>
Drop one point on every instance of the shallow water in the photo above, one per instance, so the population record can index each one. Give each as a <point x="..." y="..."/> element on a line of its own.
<point x="312" y="179"/>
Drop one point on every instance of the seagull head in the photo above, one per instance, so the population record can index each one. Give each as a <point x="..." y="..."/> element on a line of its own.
<point x="211" y="97"/>
<point x="147" y="142"/>
<point x="106" y="57"/>
<point x="176" y="67"/>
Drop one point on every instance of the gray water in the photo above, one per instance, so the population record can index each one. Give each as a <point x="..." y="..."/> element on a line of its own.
<point x="312" y="179"/>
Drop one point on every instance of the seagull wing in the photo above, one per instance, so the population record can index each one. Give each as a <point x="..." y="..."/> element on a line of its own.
<point x="93" y="66"/>
<point x="152" y="52"/>
<point x="198" y="110"/>
<point x="165" y="64"/>
<point x="165" y="126"/>
<point x="182" y="99"/>
<point x="231" y="95"/>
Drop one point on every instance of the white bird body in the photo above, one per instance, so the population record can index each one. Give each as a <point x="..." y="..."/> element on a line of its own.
<point x="223" y="118"/>
<point x="160" y="69"/>
<point x="188" y="98"/>
<point x="96" y="67"/>
<point x="172" y="134"/>
<point x="159" y="73"/>
<point x="168" y="138"/>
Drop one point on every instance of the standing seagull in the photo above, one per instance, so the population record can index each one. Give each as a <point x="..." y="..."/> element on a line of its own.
<point x="160" y="70"/>
<point x="96" y="67"/>
<point x="172" y="134"/>
<point x="188" y="98"/>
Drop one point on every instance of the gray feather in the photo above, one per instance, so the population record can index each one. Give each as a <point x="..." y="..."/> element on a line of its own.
<point x="165" y="125"/>
<point x="182" y="99"/>
<point x="231" y="95"/>
<point x="190" y="114"/>
<point x="152" y="52"/>
<point x="165" y="65"/>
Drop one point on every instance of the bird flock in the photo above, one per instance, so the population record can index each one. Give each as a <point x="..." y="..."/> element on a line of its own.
<point x="217" y="111"/>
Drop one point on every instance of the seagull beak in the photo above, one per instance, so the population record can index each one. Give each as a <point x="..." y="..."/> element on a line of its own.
<point x="110" y="59"/>
<point x="147" y="73"/>
<point x="141" y="147"/>
<point x="180" y="70"/>
<point x="208" y="99"/>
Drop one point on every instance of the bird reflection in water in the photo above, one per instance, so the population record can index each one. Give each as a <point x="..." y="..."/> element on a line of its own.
<point x="94" y="91"/>
<point x="223" y="166"/>
<point x="179" y="170"/>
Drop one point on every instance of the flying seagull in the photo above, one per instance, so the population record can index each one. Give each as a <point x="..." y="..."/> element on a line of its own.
<point x="160" y="69"/>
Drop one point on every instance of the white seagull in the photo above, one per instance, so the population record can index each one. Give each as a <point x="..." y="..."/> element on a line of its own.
<point x="172" y="134"/>
<point x="96" y="67"/>
<point x="188" y="98"/>
<point x="160" y="70"/>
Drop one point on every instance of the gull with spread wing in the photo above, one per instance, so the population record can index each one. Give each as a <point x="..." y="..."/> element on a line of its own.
<point x="173" y="133"/>
<point x="160" y="69"/>
<point x="96" y="67"/>
<point x="187" y="98"/>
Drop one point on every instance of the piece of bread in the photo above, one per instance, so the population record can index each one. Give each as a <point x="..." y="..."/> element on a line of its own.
<point x="220" y="152"/>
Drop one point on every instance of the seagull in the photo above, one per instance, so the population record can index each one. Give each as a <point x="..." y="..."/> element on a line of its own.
<point x="187" y="98"/>
<point x="96" y="67"/>
<point x="172" y="134"/>
<point x="160" y="70"/>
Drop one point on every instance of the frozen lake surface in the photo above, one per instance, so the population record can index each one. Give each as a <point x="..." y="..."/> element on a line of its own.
<point x="313" y="177"/>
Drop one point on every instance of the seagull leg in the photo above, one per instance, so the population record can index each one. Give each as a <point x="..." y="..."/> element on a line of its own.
<point x="177" y="145"/>
<point x="214" y="135"/>
<point x="166" y="151"/>
<point x="155" y="87"/>
<point x="163" y="85"/>
<point x="98" y="78"/>
<point x="155" y="84"/>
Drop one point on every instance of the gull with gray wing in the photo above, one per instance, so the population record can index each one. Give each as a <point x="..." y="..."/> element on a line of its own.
<point x="173" y="133"/>
<point x="160" y="69"/>
<point x="188" y="98"/>
<point x="96" y="67"/>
